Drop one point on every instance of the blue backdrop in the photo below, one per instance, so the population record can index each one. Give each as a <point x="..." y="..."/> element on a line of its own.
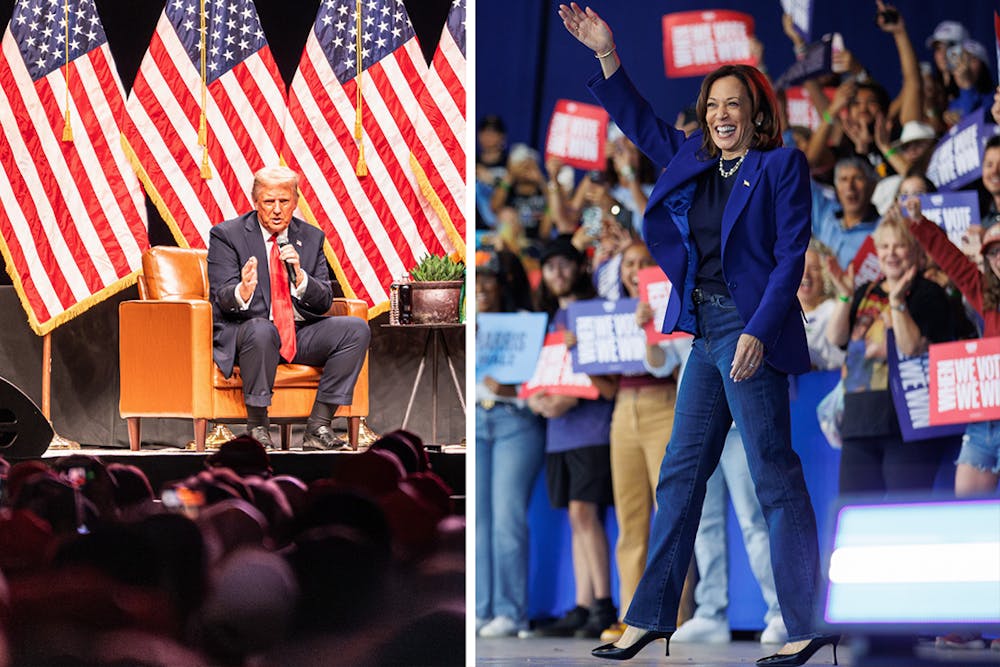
<point x="525" y="59"/>
<point x="550" y="585"/>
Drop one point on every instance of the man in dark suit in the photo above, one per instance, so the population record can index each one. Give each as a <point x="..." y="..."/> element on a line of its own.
<point x="270" y="291"/>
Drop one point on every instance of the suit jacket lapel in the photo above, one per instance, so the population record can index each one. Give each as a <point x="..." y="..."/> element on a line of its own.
<point x="746" y="181"/>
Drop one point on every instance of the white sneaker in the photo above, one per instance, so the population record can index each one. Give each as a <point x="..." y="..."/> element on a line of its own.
<point x="480" y="622"/>
<point x="501" y="626"/>
<point x="702" y="631"/>
<point x="775" y="632"/>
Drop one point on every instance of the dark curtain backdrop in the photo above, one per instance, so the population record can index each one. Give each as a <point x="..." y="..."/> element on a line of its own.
<point x="525" y="59"/>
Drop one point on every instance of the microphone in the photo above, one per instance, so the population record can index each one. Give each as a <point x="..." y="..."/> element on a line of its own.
<point x="282" y="242"/>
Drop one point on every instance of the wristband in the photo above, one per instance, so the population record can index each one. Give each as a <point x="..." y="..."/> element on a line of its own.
<point x="599" y="56"/>
<point x="843" y="298"/>
<point x="889" y="153"/>
<point x="827" y="117"/>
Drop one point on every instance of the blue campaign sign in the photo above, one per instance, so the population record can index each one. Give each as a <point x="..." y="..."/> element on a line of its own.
<point x="507" y="345"/>
<point x="951" y="211"/>
<point x="607" y="337"/>
<point x="957" y="159"/>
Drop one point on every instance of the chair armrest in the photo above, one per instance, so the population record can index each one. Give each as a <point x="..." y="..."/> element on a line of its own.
<point x="355" y="307"/>
<point x="165" y="358"/>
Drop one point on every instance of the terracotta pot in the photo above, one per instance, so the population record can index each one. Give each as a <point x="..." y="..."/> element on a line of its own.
<point x="436" y="301"/>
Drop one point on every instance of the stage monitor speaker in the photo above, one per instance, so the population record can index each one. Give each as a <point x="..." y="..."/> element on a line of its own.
<point x="24" y="432"/>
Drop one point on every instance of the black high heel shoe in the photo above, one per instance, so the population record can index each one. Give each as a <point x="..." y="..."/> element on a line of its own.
<point x="612" y="652"/>
<point x="800" y="657"/>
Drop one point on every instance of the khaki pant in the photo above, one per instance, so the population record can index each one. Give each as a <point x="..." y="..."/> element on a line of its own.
<point x="640" y="428"/>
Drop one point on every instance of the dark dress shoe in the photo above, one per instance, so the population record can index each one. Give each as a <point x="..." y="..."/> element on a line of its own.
<point x="565" y="626"/>
<point x="612" y="652"/>
<point x="800" y="657"/>
<point x="322" y="439"/>
<point x="261" y="434"/>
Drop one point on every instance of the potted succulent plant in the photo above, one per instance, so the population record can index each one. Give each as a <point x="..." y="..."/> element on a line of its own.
<point x="436" y="289"/>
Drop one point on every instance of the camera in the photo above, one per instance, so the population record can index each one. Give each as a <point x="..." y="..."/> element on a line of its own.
<point x="954" y="56"/>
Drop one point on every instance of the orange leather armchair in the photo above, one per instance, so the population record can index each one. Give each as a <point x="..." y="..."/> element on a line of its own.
<point x="166" y="363"/>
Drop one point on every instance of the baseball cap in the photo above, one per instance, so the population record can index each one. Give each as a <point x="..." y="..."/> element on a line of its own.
<point x="561" y="246"/>
<point x="990" y="237"/>
<point x="950" y="32"/>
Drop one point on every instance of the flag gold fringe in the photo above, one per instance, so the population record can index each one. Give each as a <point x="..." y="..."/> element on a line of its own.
<point x="153" y="193"/>
<point x="428" y="191"/>
<point x="43" y="328"/>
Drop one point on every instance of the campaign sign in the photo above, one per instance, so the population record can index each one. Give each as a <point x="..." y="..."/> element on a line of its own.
<point x="577" y="134"/>
<point x="957" y="159"/>
<point x="951" y="211"/>
<point x="697" y="42"/>
<point x="909" y="386"/>
<point x="965" y="381"/>
<point x="996" y="34"/>
<point x="865" y="263"/>
<point x="507" y="345"/>
<point x="801" y="12"/>
<point x="607" y="338"/>
<point x="654" y="289"/>
<point x="554" y="373"/>
<point x="815" y="61"/>
<point x="800" y="108"/>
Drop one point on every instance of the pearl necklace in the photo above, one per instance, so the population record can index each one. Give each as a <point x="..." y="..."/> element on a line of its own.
<point x="726" y="173"/>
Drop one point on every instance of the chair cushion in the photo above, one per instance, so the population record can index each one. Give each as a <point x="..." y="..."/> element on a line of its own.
<point x="288" y="375"/>
<point x="175" y="273"/>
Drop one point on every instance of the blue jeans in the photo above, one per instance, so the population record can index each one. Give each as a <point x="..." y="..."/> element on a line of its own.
<point x="707" y="404"/>
<point x="510" y="452"/>
<point x="731" y="480"/>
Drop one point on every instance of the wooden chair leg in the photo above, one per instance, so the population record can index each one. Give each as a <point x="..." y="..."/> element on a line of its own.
<point x="134" y="433"/>
<point x="353" y="429"/>
<point x="200" y="431"/>
<point x="286" y="436"/>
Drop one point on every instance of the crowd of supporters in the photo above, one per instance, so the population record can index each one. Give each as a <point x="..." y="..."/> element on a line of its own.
<point x="234" y="565"/>
<point x="559" y="235"/>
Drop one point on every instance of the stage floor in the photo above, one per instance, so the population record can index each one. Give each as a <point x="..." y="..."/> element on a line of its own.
<point x="572" y="652"/>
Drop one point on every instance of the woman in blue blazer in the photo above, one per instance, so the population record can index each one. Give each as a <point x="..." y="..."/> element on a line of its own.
<point x="728" y="220"/>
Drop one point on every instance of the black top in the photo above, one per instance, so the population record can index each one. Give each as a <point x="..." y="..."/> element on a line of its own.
<point x="705" y="221"/>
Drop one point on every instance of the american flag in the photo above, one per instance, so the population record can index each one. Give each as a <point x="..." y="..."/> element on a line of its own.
<point x="72" y="215"/>
<point x="244" y="107"/>
<point x="378" y="225"/>
<point x="444" y="105"/>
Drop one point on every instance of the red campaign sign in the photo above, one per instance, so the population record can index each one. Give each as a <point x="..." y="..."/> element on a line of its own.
<point x="577" y="134"/>
<point x="554" y="372"/>
<point x="964" y="381"/>
<point x="696" y="43"/>
<point x="800" y="108"/>
<point x="654" y="289"/>
<point x="865" y="263"/>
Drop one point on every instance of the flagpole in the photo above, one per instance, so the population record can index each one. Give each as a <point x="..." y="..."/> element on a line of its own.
<point x="58" y="442"/>
<point x="47" y="376"/>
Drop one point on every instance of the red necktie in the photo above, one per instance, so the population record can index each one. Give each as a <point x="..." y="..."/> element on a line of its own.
<point x="281" y="303"/>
